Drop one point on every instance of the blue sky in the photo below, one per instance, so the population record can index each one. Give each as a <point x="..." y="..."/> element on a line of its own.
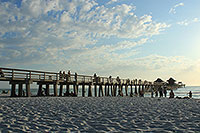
<point x="128" y="38"/>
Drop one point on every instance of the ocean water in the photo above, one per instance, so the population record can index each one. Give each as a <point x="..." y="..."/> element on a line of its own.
<point x="181" y="92"/>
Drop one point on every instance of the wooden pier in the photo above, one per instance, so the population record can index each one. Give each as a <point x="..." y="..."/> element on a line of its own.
<point x="97" y="86"/>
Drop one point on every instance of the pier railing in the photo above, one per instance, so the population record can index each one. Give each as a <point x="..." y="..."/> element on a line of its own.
<point x="22" y="74"/>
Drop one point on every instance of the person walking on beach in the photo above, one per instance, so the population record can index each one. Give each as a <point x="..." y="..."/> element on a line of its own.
<point x="165" y="91"/>
<point x="160" y="91"/>
<point x="156" y="93"/>
<point x="171" y="94"/>
<point x="190" y="94"/>
<point x="152" y="93"/>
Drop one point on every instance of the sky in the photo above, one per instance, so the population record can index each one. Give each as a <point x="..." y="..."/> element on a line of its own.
<point x="143" y="39"/>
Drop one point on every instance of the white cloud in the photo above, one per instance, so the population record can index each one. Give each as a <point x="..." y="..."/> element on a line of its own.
<point x="111" y="2"/>
<point x="188" y="22"/>
<point x="61" y="34"/>
<point x="173" y="9"/>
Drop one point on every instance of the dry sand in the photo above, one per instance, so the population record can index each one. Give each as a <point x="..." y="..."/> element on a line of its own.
<point x="99" y="114"/>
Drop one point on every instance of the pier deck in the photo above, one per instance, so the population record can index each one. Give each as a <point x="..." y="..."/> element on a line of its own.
<point x="107" y="86"/>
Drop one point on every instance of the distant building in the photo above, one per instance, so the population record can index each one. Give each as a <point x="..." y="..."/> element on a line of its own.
<point x="171" y="81"/>
<point x="158" y="80"/>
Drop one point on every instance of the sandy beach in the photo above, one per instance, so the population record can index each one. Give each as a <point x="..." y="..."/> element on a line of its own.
<point x="99" y="114"/>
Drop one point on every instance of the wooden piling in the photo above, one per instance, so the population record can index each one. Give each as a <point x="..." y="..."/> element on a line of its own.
<point x="39" y="90"/>
<point x="20" y="90"/>
<point x="67" y="89"/>
<point x="100" y="87"/>
<point x="131" y="90"/>
<point x="55" y="88"/>
<point x="13" y="90"/>
<point x="47" y="92"/>
<point x="83" y="90"/>
<point x="95" y="90"/>
<point x="61" y="90"/>
<point x="115" y="89"/>
<point x="136" y="92"/>
<point x="75" y="89"/>
<point x="105" y="89"/>
<point x="28" y="90"/>
<point x="126" y="89"/>
<point x="90" y="91"/>
<point x="108" y="90"/>
<point x="111" y="88"/>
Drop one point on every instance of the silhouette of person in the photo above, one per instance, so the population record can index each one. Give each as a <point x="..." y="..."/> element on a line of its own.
<point x="110" y="79"/>
<point x="60" y="75"/>
<point x="160" y="91"/>
<point x="64" y="75"/>
<point x="190" y="94"/>
<point x="69" y="74"/>
<point x="1" y="73"/>
<point x="165" y="92"/>
<point x="156" y="93"/>
<point x="95" y="77"/>
<point x="152" y="93"/>
<point x="75" y="76"/>
<point x="171" y="94"/>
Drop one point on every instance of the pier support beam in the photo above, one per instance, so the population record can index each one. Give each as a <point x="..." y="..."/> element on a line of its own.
<point x="131" y="94"/>
<point x="90" y="91"/>
<point x="136" y="90"/>
<point x="115" y="89"/>
<point x="28" y="89"/>
<point x="13" y="90"/>
<point x="95" y="90"/>
<point x="108" y="90"/>
<point x="47" y="90"/>
<point x="111" y="88"/>
<point x="83" y="90"/>
<point x="39" y="90"/>
<point x="61" y="90"/>
<point x="20" y="90"/>
<point x="55" y="88"/>
<point x="126" y="89"/>
<point x="139" y="90"/>
<point x="67" y="90"/>
<point x="105" y="90"/>
<point x="76" y="89"/>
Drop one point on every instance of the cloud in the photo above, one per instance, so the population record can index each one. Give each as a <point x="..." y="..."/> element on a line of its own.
<point x="68" y="34"/>
<point x="188" y="22"/>
<point x="111" y="2"/>
<point x="173" y="9"/>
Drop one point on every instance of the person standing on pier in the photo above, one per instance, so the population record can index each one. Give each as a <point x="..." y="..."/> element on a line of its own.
<point x="110" y="79"/>
<point x="64" y="75"/>
<point x="1" y="73"/>
<point x="68" y="75"/>
<point x="75" y="76"/>
<point x="95" y="77"/>
<point x="60" y="75"/>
